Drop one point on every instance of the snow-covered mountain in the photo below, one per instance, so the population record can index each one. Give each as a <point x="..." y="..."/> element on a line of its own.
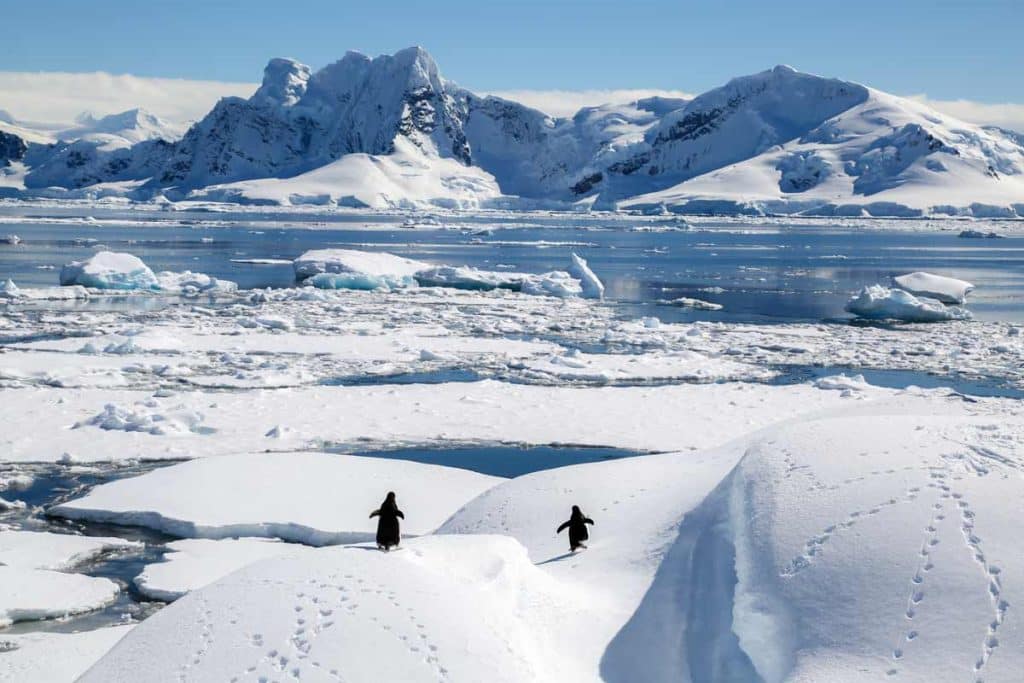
<point x="391" y="131"/>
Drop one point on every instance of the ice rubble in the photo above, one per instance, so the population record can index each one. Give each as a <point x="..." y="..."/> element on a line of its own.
<point x="948" y="290"/>
<point x="881" y="303"/>
<point x="121" y="271"/>
<point x="293" y="496"/>
<point x="353" y="269"/>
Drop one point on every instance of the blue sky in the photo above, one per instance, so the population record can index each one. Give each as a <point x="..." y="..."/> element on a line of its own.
<point x="949" y="50"/>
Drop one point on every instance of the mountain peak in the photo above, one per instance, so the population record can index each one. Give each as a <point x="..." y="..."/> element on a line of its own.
<point x="284" y="82"/>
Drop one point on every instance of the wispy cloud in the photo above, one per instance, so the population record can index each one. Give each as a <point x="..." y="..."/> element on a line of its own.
<point x="58" y="97"/>
<point x="568" y="102"/>
<point x="1007" y="115"/>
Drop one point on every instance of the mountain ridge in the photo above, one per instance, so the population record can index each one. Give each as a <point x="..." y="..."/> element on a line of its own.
<point x="390" y="131"/>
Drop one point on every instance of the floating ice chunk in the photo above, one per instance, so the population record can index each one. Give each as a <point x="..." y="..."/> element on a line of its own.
<point x="45" y="550"/>
<point x="110" y="270"/>
<point x="12" y="240"/>
<point x="6" y="505"/>
<point x="948" y="290"/>
<point x="978" y="234"/>
<point x="465" y="277"/>
<point x="9" y="290"/>
<point x="29" y="594"/>
<point x="849" y="386"/>
<point x="352" y="269"/>
<point x="698" y="304"/>
<point x="592" y="287"/>
<point x="194" y="284"/>
<point x="881" y="303"/>
<point x="556" y="283"/>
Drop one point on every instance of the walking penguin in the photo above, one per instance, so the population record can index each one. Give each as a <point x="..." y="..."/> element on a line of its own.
<point x="388" y="532"/>
<point x="577" y="525"/>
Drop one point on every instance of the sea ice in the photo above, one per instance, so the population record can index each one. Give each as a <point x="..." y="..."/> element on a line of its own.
<point x="878" y="302"/>
<point x="110" y="270"/>
<point x="312" y="498"/>
<point x="30" y="594"/>
<point x="948" y="290"/>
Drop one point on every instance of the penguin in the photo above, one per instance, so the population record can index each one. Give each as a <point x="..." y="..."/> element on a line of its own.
<point x="388" y="532"/>
<point x="577" y="525"/>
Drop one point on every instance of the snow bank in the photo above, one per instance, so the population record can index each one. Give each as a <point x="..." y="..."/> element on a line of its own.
<point x="110" y="270"/>
<point x="194" y="563"/>
<point x="46" y="657"/>
<point x="312" y="498"/>
<point x="881" y="303"/>
<point x="30" y="594"/>
<point x="44" y="550"/>
<point x="948" y="290"/>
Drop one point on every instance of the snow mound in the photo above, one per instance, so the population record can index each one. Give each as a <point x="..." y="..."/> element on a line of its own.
<point x="194" y="563"/>
<point x="881" y="303"/>
<point x="145" y="417"/>
<point x="31" y="594"/>
<point x="110" y="270"/>
<point x="948" y="290"/>
<point x="889" y="548"/>
<point x="452" y="608"/>
<point x="312" y="498"/>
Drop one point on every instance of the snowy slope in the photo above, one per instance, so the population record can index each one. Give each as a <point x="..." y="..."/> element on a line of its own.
<point x="883" y="156"/>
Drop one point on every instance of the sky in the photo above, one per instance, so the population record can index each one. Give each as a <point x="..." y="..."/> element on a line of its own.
<point x="969" y="52"/>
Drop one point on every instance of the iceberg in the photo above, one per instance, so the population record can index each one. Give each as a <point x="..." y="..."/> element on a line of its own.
<point x="9" y="290"/>
<point x="881" y="303"/>
<point x="352" y="269"/>
<point x="593" y="288"/>
<point x="948" y="290"/>
<point x="110" y="270"/>
<point x="120" y="271"/>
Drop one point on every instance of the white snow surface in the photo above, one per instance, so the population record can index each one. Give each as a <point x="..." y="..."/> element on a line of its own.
<point x="311" y="498"/>
<point x="46" y="657"/>
<point x="948" y="290"/>
<point x="871" y="539"/>
<point x="194" y="563"/>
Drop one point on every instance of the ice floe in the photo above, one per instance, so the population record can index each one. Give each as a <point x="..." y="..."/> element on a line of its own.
<point x="46" y="550"/>
<point x="312" y="498"/>
<point x="30" y="594"/>
<point x="881" y="303"/>
<point x="47" y="657"/>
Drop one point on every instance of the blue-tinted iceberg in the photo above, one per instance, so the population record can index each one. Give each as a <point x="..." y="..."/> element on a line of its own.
<point x="110" y="270"/>
<point x="881" y="303"/>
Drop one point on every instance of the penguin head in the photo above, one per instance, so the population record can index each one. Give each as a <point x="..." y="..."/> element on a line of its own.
<point x="391" y="497"/>
<point x="576" y="510"/>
